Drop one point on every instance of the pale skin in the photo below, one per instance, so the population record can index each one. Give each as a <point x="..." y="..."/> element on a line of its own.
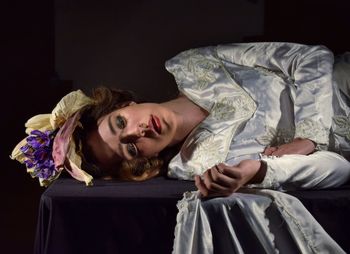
<point x="140" y="135"/>
<point x="223" y="180"/>
<point x="143" y="129"/>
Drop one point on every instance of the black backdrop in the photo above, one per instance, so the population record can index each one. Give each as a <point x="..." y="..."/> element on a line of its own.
<point x="29" y="82"/>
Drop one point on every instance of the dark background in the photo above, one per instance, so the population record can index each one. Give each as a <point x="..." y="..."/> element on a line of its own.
<point x="50" y="47"/>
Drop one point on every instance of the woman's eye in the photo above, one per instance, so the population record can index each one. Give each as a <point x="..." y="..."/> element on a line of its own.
<point x="132" y="149"/>
<point x="121" y="122"/>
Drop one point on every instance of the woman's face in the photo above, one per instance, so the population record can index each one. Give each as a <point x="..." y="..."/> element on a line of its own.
<point x="137" y="130"/>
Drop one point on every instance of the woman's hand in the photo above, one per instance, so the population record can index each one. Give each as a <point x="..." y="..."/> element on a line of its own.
<point x="297" y="146"/>
<point x="223" y="180"/>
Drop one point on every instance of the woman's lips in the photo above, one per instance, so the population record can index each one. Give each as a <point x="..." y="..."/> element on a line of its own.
<point x="155" y="123"/>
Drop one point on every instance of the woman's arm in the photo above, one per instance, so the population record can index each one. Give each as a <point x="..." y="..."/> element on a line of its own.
<point x="297" y="146"/>
<point x="316" y="171"/>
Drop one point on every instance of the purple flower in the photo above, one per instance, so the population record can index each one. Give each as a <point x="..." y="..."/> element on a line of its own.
<point x="29" y="163"/>
<point x="45" y="170"/>
<point x="41" y="154"/>
<point x="38" y="153"/>
<point x="39" y="139"/>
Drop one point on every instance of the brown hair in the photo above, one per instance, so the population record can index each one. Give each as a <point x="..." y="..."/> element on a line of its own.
<point x="108" y="100"/>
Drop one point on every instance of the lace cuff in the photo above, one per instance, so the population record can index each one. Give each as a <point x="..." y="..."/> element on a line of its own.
<point x="314" y="131"/>
<point x="269" y="181"/>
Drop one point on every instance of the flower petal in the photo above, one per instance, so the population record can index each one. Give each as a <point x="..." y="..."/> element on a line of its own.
<point x="38" y="122"/>
<point x="79" y="174"/>
<point x="68" y="105"/>
<point x="17" y="154"/>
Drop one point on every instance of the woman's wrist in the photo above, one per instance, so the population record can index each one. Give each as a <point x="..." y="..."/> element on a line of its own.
<point x="260" y="173"/>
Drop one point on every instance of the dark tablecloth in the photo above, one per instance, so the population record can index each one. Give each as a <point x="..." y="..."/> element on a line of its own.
<point x="128" y="217"/>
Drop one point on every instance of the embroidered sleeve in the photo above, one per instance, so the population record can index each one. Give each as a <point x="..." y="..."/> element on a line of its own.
<point x="202" y="77"/>
<point x="307" y="70"/>
<point x="314" y="131"/>
<point x="322" y="169"/>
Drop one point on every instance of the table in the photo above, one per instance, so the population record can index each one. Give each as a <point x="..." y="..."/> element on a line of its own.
<point x="110" y="217"/>
<point x="139" y="217"/>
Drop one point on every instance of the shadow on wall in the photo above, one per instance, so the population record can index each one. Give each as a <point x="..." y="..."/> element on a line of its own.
<point x="125" y="44"/>
<point x="309" y="22"/>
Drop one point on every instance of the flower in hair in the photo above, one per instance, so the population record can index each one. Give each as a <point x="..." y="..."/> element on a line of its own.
<point x="49" y="147"/>
<point x="38" y="153"/>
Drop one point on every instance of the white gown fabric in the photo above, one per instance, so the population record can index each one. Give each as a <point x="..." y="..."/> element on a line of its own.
<point x="260" y="94"/>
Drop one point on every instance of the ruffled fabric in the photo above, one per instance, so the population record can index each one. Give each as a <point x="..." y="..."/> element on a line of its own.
<point x="251" y="221"/>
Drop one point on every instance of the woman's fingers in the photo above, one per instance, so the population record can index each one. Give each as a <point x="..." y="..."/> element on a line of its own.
<point x="231" y="173"/>
<point x="212" y="190"/>
<point x="220" y="175"/>
<point x="201" y="186"/>
<point x="270" y="150"/>
<point x="223" y="180"/>
<point x="297" y="146"/>
<point x="215" y="182"/>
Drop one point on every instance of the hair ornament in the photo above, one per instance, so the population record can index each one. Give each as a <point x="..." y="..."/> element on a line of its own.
<point x="49" y="147"/>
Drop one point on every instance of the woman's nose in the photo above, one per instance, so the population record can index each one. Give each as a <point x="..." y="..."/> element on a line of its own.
<point x="132" y="134"/>
<point x="143" y="127"/>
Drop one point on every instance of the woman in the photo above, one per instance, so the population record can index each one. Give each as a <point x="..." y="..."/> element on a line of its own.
<point x="284" y="108"/>
<point x="258" y="100"/>
<point x="263" y="115"/>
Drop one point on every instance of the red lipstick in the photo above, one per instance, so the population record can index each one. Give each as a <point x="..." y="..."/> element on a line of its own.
<point x="156" y="124"/>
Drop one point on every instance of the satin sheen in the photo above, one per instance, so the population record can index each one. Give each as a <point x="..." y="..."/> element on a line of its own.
<point x="260" y="94"/>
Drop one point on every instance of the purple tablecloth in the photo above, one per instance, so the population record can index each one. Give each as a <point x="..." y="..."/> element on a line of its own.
<point x="128" y="217"/>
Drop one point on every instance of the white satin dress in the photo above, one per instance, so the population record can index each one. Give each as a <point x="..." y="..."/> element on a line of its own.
<point x="258" y="95"/>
